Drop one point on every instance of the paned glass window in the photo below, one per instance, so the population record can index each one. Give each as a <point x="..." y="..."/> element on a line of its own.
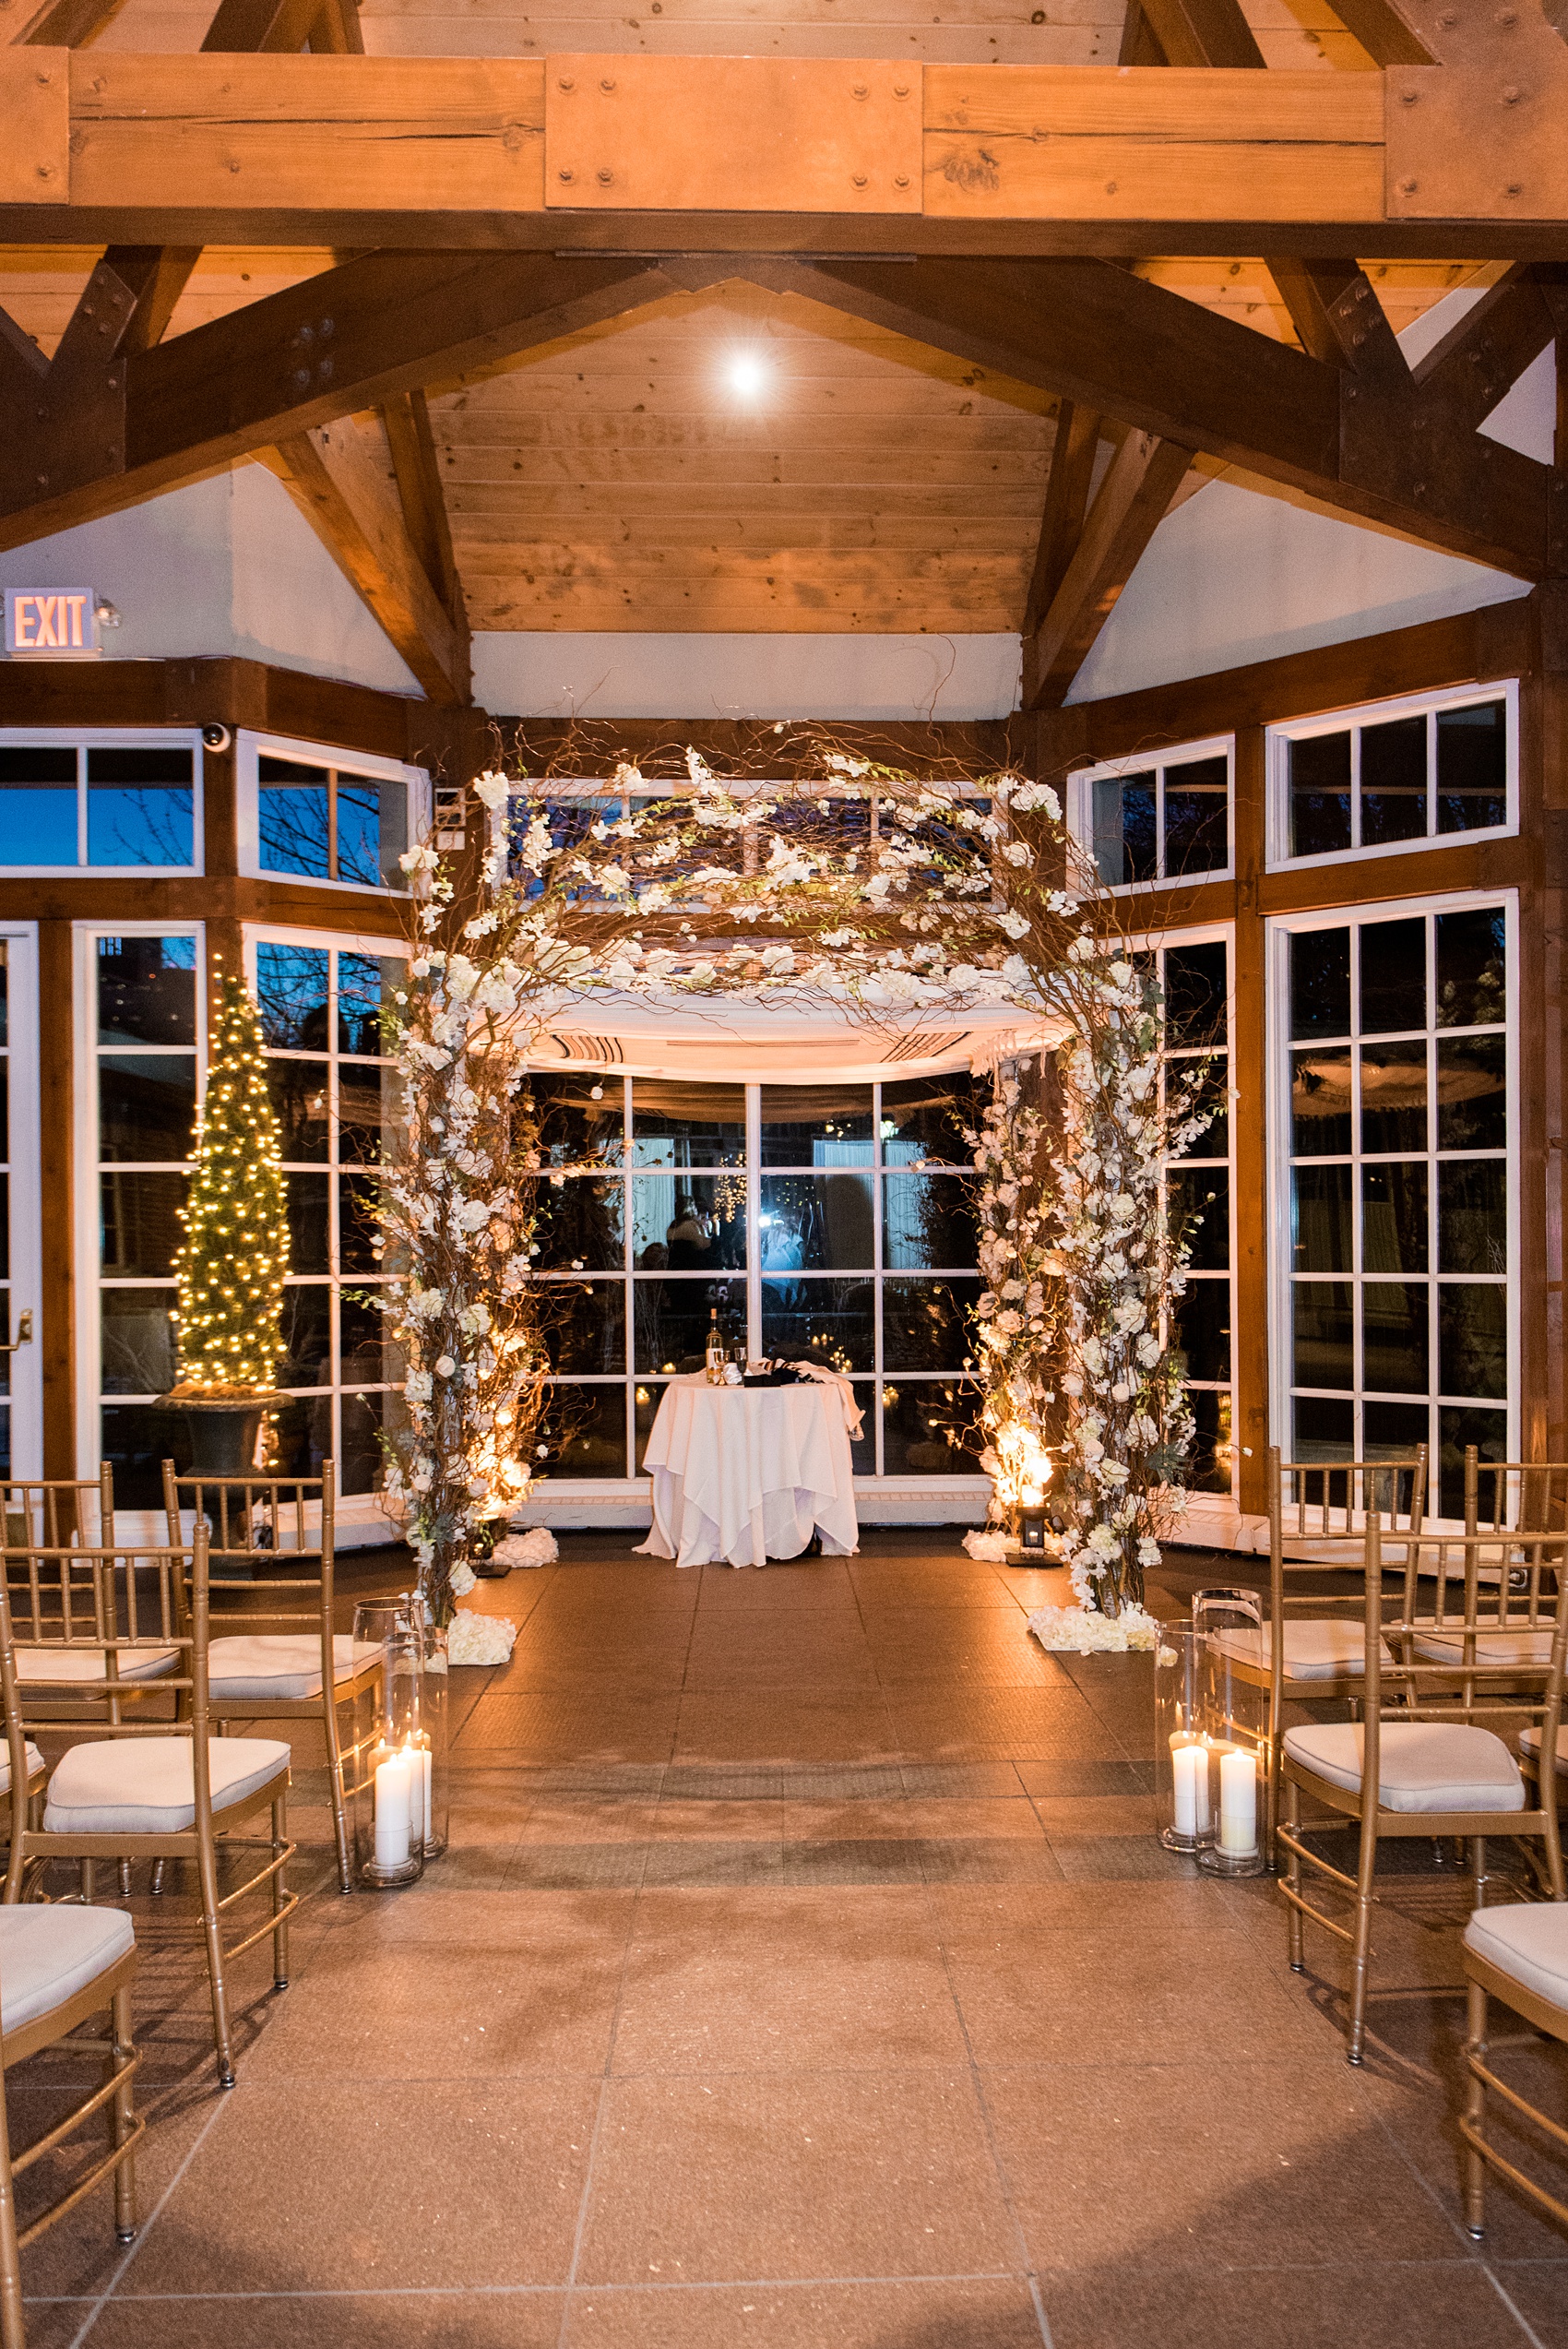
<point x="146" y="1004"/>
<point x="1400" y="1207"/>
<point x="1395" y="775"/>
<point x="332" y="1084"/>
<point x="829" y="1223"/>
<point x="5" y="1202"/>
<point x="1157" y="819"/>
<point x="328" y="823"/>
<point x="106" y="806"/>
<point x="1195" y="975"/>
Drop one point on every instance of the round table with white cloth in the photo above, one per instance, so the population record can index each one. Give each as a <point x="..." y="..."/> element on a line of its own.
<point x="741" y="1474"/>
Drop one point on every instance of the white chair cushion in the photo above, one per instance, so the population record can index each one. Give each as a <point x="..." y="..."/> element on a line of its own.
<point x="1528" y="1940"/>
<point x="47" y="1954"/>
<point x="1316" y="1648"/>
<point x="71" y="1667"/>
<point x="1529" y="1743"/>
<point x="1446" y="1645"/>
<point x="284" y="1665"/>
<point x="1425" y="1765"/>
<point x="35" y="1763"/>
<point x="147" y="1786"/>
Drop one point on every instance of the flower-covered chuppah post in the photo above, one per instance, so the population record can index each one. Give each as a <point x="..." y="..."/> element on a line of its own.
<point x="456" y="1220"/>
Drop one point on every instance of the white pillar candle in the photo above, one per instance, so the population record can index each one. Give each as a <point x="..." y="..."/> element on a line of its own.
<point x="1238" y="1801"/>
<point x="392" y="1777"/>
<point x="1189" y="1771"/>
<point x="419" y="1794"/>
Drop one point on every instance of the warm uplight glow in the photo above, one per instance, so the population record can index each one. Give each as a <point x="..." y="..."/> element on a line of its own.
<point x="747" y="374"/>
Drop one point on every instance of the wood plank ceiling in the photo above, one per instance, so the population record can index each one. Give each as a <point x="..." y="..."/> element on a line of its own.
<point x="621" y="481"/>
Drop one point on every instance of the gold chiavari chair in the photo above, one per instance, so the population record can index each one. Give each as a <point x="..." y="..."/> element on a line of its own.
<point x="54" y="1511"/>
<point x="1502" y="1494"/>
<point x="279" y="1658"/>
<point x="1309" y="1649"/>
<point x="59" y="1965"/>
<point x="1431" y="1683"/>
<point x="133" y="1788"/>
<point x="1518" y="1953"/>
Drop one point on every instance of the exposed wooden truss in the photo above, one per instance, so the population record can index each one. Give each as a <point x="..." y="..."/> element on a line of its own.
<point x="343" y="481"/>
<point x="1129" y="504"/>
<point x="454" y="151"/>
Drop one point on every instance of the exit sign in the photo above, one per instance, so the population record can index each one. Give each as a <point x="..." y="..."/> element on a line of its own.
<point x="51" y="624"/>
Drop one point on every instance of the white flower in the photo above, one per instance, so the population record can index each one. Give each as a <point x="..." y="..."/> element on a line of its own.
<point x="1018" y="852"/>
<point x="444" y="1365"/>
<point x="480" y="1638"/>
<point x="492" y="790"/>
<point x="538" y="1546"/>
<point x="463" y="1578"/>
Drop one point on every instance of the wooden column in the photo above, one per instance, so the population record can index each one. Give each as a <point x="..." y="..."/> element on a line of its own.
<point x="56" y="1319"/>
<point x="1543" y="1055"/>
<point x="1249" y="1068"/>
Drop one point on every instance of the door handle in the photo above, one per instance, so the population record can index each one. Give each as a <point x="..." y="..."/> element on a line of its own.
<point x="23" y="1336"/>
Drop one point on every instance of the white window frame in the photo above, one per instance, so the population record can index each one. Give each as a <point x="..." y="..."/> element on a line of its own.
<point x="1279" y="929"/>
<point x="250" y="749"/>
<point x="359" y="1514"/>
<point x="143" y="1524"/>
<point x="1159" y="942"/>
<point x="904" y="1495"/>
<point x="26" y="1244"/>
<point x="1080" y="808"/>
<point x="1279" y="738"/>
<point x="85" y="738"/>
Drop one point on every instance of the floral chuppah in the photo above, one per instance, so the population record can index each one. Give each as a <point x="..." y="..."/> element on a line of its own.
<point x="961" y="894"/>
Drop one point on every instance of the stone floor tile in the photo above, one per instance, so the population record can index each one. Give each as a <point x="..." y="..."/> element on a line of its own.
<point x="1438" y="2306"/>
<point x="783" y="1979"/>
<point x="817" y="2173"/>
<point x="950" y="2313"/>
<point x="419" y="2185"/>
<point x="345" y="2320"/>
<point x="1168" y="2164"/>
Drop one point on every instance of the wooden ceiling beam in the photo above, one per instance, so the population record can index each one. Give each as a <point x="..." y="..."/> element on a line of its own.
<point x="1203" y="32"/>
<point x="341" y="477"/>
<point x="351" y="338"/>
<point x="1129" y="504"/>
<point x="1383" y="32"/>
<point x="66" y="24"/>
<point x="1480" y="360"/>
<point x="411" y="445"/>
<point x="445" y="152"/>
<point x="1066" y="503"/>
<point x="1086" y="331"/>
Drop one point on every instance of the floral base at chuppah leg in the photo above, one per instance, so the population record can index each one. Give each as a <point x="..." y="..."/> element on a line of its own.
<point x="1086" y="1631"/>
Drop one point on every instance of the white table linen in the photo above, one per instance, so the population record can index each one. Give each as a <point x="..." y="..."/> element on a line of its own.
<point x="741" y="1474"/>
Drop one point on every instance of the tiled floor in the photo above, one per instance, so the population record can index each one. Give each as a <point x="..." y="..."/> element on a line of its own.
<point x="803" y="1970"/>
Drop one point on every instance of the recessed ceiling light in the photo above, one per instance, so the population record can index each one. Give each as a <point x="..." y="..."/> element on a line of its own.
<point x="747" y="374"/>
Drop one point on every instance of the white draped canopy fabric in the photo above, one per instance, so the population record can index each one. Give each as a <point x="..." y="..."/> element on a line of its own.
<point x="741" y="1474"/>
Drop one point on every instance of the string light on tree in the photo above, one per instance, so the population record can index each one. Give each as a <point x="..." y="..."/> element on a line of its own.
<point x="235" y="1254"/>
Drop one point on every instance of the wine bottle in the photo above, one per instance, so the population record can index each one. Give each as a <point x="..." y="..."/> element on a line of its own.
<point x="716" y="1351"/>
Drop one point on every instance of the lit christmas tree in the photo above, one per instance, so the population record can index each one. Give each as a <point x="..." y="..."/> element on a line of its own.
<point x="236" y="1248"/>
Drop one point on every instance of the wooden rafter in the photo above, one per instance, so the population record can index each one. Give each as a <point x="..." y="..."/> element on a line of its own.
<point x="1066" y="503"/>
<point x="67" y="24"/>
<point x="341" y="479"/>
<point x="387" y="322"/>
<point x="1482" y="357"/>
<point x="351" y="338"/>
<point x="1129" y="504"/>
<point x="1094" y="334"/>
<point x="411" y="447"/>
<point x="246" y="27"/>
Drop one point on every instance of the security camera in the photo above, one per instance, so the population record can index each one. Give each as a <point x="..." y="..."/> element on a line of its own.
<point x="216" y="737"/>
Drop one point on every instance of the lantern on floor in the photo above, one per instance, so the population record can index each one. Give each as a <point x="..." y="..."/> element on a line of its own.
<point x="1236" y="1715"/>
<point x="1026" y="1471"/>
<point x="1184" y="1759"/>
<point x="392" y="1755"/>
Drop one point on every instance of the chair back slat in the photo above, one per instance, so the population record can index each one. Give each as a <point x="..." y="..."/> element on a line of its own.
<point x="1503" y="1494"/>
<point x="56" y="1512"/>
<point x="265" y="1535"/>
<point x="122" y="1606"/>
